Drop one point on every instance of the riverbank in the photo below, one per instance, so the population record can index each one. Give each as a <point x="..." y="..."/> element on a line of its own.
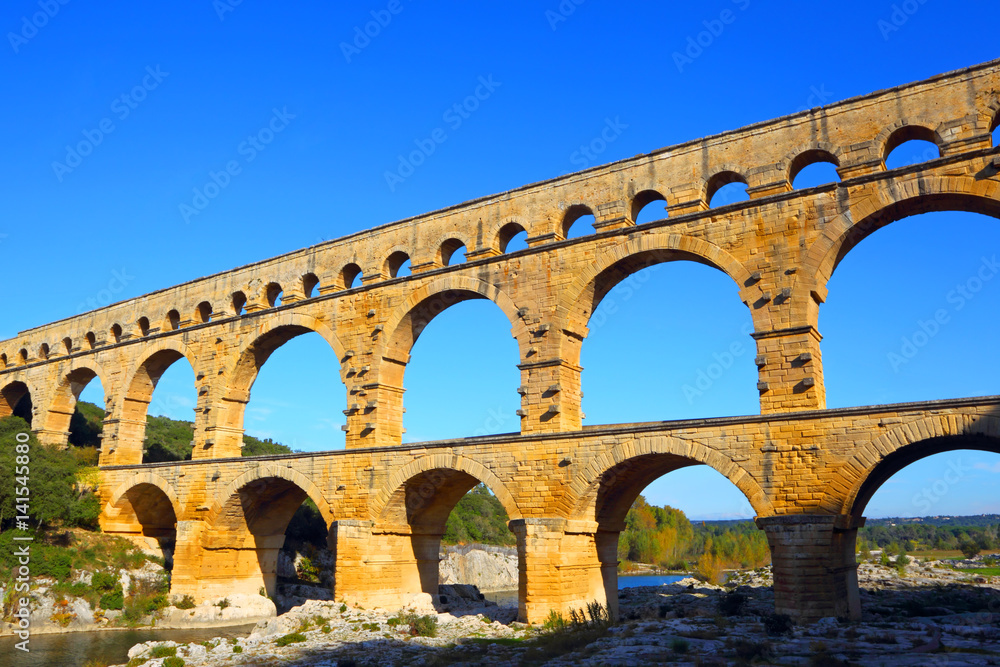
<point x="925" y="614"/>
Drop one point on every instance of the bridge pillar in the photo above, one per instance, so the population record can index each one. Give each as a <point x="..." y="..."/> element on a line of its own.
<point x="121" y="442"/>
<point x="815" y="573"/>
<point x="382" y="566"/>
<point x="560" y="567"/>
<point x="790" y="370"/>
<point x="550" y="396"/>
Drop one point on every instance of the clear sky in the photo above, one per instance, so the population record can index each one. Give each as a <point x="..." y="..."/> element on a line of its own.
<point x="169" y="93"/>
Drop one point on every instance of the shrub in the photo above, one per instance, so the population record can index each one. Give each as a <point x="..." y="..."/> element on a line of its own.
<point x="424" y="626"/>
<point x="732" y="603"/>
<point x="113" y="600"/>
<point x="237" y="649"/>
<point x="290" y="639"/>
<point x="104" y="582"/>
<point x="777" y="624"/>
<point x="173" y="661"/>
<point x="223" y="603"/>
<point x="163" y="651"/>
<point x="326" y="629"/>
<point x="186" y="602"/>
<point x="555" y="621"/>
<point x="969" y="549"/>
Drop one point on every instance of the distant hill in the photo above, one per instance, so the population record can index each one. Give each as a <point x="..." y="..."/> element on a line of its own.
<point x="968" y="521"/>
<point x="166" y="439"/>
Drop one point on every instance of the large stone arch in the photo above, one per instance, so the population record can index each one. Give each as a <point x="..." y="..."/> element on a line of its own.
<point x="62" y="402"/>
<point x="153" y="361"/>
<point x="270" y="471"/>
<point x="893" y="202"/>
<point x="579" y="301"/>
<point x="425" y="303"/>
<point x="876" y="461"/>
<point x="630" y="466"/>
<point x="380" y="504"/>
<point x="275" y="331"/>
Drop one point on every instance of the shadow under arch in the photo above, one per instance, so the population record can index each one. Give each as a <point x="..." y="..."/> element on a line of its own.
<point x="59" y="412"/>
<point x="937" y="194"/>
<point x="245" y="531"/>
<point x="15" y="399"/>
<point x="412" y="316"/>
<point x="581" y="299"/>
<point x="143" y="509"/>
<point x="242" y="372"/>
<point x="410" y="513"/>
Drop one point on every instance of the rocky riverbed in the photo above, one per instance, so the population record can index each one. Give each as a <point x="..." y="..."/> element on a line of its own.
<point x="931" y="615"/>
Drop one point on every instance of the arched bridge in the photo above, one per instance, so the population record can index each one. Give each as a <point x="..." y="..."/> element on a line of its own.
<point x="807" y="471"/>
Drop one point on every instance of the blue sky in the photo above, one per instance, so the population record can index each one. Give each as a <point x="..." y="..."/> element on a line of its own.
<point x="199" y="77"/>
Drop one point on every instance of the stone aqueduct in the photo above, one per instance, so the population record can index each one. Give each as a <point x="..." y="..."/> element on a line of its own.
<point x="807" y="471"/>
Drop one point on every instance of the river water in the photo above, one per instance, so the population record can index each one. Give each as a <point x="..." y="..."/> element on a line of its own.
<point x="73" y="649"/>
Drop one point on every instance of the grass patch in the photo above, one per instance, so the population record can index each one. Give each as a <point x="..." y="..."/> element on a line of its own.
<point x="980" y="571"/>
<point x="291" y="638"/>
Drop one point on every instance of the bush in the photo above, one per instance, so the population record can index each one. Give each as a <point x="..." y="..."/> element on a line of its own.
<point x="223" y="603"/>
<point x="237" y="649"/>
<point x="113" y="600"/>
<point x="424" y="626"/>
<point x="732" y="603"/>
<point x="555" y="621"/>
<point x="969" y="549"/>
<point x="290" y="639"/>
<point x="173" y="661"/>
<point x="186" y="602"/>
<point x="104" y="582"/>
<point x="163" y="651"/>
<point x="777" y="624"/>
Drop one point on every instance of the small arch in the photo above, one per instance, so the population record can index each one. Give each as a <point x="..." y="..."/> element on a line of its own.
<point x="273" y="293"/>
<point x="814" y="167"/>
<point x="309" y="283"/>
<point x="116" y="332"/>
<point x="640" y="203"/>
<point x="67" y="345"/>
<point x="15" y="399"/>
<point x="173" y="321"/>
<point x="43" y="351"/>
<point x="22" y="356"/>
<point x="91" y="340"/>
<point x="925" y="146"/>
<point x="239" y="300"/>
<point x="718" y="194"/>
<point x="3" y="360"/>
<point x="203" y="313"/>
<point x="394" y="264"/>
<point x="995" y="128"/>
<point x="143" y="325"/>
<point x="508" y="234"/>
<point x="570" y="218"/>
<point x="349" y="275"/>
<point x="448" y="250"/>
